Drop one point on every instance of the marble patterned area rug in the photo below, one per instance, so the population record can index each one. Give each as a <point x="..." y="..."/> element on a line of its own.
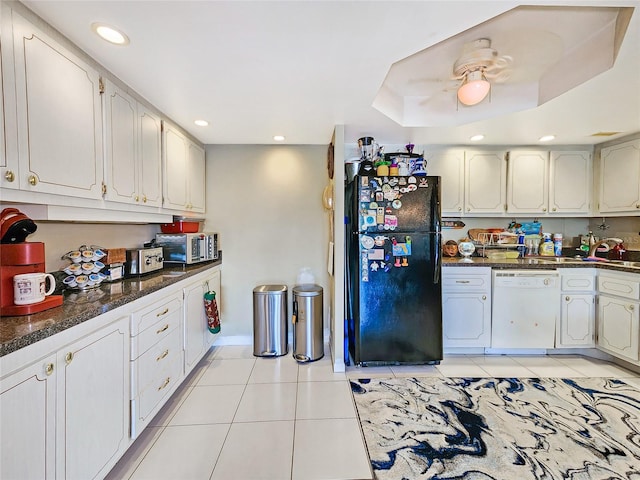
<point x="500" y="428"/>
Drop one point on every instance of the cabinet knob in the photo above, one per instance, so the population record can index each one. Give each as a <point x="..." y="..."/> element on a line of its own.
<point x="554" y="209"/>
<point x="631" y="308"/>
<point x="637" y="205"/>
<point x="144" y="199"/>
<point x="459" y="209"/>
<point x="48" y="368"/>
<point x="484" y="297"/>
<point x="468" y="209"/>
<point x="137" y="198"/>
<point x="567" y="298"/>
<point x="544" y="209"/>
<point x="33" y="180"/>
<point x="68" y="358"/>
<point x="9" y="176"/>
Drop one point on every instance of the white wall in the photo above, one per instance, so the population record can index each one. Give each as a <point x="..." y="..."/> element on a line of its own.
<point x="266" y="203"/>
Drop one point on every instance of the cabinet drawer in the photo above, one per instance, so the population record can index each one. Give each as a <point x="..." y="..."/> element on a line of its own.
<point x="619" y="286"/>
<point x="469" y="279"/>
<point x="151" y="366"/>
<point x="578" y="282"/>
<point x="159" y="323"/>
<point x="152" y="394"/>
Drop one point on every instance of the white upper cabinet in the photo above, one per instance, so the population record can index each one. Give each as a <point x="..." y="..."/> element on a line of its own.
<point x="184" y="172"/>
<point x="570" y="182"/>
<point x="9" y="170"/>
<point x="133" y="158"/>
<point x="485" y="182"/>
<point x="541" y="182"/>
<point x="59" y="116"/>
<point x="528" y="182"/>
<point x="449" y="165"/>
<point x="620" y="178"/>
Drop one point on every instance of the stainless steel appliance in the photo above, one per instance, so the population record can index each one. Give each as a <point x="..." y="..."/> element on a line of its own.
<point x="188" y="248"/>
<point x="144" y="260"/>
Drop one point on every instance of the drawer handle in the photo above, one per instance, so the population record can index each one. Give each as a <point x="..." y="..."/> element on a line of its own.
<point x="164" y="312"/>
<point x="48" y="369"/>
<point x="166" y="382"/>
<point x="164" y="354"/>
<point x="463" y="281"/>
<point x="163" y="328"/>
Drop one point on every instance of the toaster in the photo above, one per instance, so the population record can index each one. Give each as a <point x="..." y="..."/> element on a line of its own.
<point x="144" y="260"/>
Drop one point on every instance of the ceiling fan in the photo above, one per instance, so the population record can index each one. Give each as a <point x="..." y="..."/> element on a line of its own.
<point x="478" y="64"/>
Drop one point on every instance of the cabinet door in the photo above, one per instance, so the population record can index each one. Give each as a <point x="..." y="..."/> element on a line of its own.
<point x="485" y="182"/>
<point x="59" y="116"/>
<point x="528" y="182"/>
<point x="197" y="190"/>
<point x="121" y="134"/>
<point x="570" y="182"/>
<point x="620" y="178"/>
<point x="577" y="320"/>
<point x="27" y="422"/>
<point x="175" y="168"/>
<point x="9" y="171"/>
<point x="150" y="157"/>
<point x="93" y="403"/>
<point x="449" y="165"/>
<point x="195" y="325"/>
<point x="466" y="320"/>
<point x="618" y="327"/>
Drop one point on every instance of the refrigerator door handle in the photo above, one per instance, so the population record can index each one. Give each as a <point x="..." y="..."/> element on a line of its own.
<point x="438" y="266"/>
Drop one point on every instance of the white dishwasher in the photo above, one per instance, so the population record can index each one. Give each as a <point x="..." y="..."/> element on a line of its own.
<point x="525" y="308"/>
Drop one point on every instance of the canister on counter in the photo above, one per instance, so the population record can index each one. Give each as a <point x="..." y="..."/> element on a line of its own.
<point x="557" y="244"/>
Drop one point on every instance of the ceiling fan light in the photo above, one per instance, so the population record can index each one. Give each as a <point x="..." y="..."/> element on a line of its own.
<point x="474" y="89"/>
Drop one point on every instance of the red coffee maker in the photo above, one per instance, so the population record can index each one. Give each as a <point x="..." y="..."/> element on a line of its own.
<point x="18" y="256"/>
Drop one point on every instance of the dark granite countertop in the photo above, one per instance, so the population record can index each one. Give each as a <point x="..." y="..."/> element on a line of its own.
<point x="21" y="331"/>
<point x="534" y="263"/>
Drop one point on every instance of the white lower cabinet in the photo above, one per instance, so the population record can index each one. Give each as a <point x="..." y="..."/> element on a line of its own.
<point x="618" y="315"/>
<point x="66" y="416"/>
<point x="156" y="357"/>
<point x="577" y="309"/>
<point x="466" y="307"/>
<point x="197" y="337"/>
<point x="27" y="422"/>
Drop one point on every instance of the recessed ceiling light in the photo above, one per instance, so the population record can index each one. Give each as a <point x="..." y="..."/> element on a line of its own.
<point x="110" y="34"/>
<point x="477" y="138"/>
<point x="546" y="138"/>
<point x="201" y="123"/>
<point x="278" y="138"/>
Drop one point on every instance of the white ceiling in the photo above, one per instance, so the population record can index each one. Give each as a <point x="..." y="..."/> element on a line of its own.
<point x="255" y="69"/>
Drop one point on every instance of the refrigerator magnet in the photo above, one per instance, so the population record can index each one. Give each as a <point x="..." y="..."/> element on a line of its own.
<point x="423" y="183"/>
<point x="412" y="179"/>
<point x="365" y="195"/>
<point x="364" y="275"/>
<point x="367" y="242"/>
<point x="374" y="267"/>
<point x="391" y="220"/>
<point x="376" y="254"/>
<point x="396" y="204"/>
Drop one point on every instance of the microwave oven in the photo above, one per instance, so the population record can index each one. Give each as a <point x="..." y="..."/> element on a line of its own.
<point x="188" y="248"/>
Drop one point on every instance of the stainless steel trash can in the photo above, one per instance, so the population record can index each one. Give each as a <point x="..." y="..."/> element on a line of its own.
<point x="270" y="321"/>
<point x="307" y="323"/>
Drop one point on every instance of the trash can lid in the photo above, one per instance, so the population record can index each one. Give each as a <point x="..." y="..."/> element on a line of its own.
<point x="307" y="290"/>
<point x="270" y="289"/>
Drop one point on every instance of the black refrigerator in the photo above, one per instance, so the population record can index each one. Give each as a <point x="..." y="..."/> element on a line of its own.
<point x="393" y="271"/>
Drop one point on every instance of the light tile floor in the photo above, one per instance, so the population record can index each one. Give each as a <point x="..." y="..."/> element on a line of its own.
<point x="238" y="417"/>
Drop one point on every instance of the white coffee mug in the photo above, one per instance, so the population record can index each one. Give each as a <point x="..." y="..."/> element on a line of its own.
<point x="31" y="287"/>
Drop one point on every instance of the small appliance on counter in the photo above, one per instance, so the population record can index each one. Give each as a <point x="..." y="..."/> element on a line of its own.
<point x="114" y="264"/>
<point x="182" y="225"/>
<point x="188" y="248"/>
<point x="18" y="257"/>
<point x="144" y="260"/>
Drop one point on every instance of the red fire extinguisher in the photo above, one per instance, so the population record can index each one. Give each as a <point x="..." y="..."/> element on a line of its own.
<point x="211" y="310"/>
